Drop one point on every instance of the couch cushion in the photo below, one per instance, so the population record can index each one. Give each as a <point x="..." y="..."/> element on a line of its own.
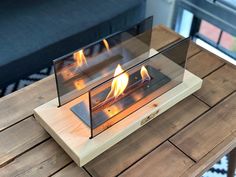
<point x="31" y="25"/>
<point x="31" y="29"/>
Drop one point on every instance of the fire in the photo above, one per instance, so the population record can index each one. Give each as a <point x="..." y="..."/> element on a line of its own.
<point x="67" y="74"/>
<point x="119" y="83"/>
<point x="80" y="58"/>
<point x="144" y="74"/>
<point x="79" y="84"/>
<point x="106" y="44"/>
<point x="113" y="110"/>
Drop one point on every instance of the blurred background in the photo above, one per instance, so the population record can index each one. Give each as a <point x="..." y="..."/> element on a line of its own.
<point x="210" y="23"/>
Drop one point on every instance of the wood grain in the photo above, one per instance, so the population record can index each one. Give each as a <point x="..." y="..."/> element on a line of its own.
<point x="211" y="158"/>
<point x="43" y="160"/>
<point x="165" y="161"/>
<point x="132" y="148"/>
<point x="17" y="139"/>
<point x="162" y="37"/>
<point x="209" y="130"/>
<point x="218" y="85"/>
<point x="72" y="170"/>
<point x="20" y="104"/>
<point x="193" y="49"/>
<point x="203" y="63"/>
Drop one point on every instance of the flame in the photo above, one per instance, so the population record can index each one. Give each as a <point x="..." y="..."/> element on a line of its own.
<point x="67" y="74"/>
<point x="113" y="110"/>
<point x="80" y="58"/>
<point x="106" y="44"/>
<point x="119" y="83"/>
<point x="144" y="74"/>
<point x="79" y="84"/>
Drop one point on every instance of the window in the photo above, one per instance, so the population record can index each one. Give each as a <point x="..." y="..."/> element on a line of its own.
<point x="201" y="20"/>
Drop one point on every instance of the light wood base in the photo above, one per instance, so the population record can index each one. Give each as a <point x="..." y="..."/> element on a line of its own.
<point x="73" y="135"/>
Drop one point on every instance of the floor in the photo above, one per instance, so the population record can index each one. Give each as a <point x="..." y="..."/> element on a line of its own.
<point x="219" y="169"/>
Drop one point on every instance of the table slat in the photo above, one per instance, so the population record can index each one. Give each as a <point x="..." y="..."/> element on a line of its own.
<point x="164" y="161"/>
<point x="44" y="160"/>
<point x="218" y="85"/>
<point x="162" y="36"/>
<point x="193" y="49"/>
<point x="72" y="170"/>
<point x="204" y="164"/>
<point x="209" y="130"/>
<point x="203" y="63"/>
<point x="19" y="105"/>
<point x="17" y="139"/>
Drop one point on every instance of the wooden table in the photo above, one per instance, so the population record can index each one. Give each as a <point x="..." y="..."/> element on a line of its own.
<point x="184" y="141"/>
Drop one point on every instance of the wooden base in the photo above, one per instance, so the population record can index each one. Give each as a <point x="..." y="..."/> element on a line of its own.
<point x="73" y="135"/>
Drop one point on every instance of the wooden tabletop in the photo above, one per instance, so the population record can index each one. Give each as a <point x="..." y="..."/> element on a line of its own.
<point x="184" y="141"/>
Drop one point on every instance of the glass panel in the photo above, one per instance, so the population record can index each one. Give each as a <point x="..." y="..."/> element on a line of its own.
<point x="80" y="71"/>
<point x="128" y="89"/>
<point x="209" y="31"/>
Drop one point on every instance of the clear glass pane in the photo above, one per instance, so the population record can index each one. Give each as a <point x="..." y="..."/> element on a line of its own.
<point x="80" y="71"/>
<point x="133" y="88"/>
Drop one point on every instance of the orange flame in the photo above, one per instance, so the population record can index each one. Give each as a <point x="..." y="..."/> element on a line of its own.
<point x="67" y="74"/>
<point x="119" y="83"/>
<point x="144" y="74"/>
<point x="79" y="84"/>
<point x="80" y="58"/>
<point x="106" y="44"/>
<point x="113" y="110"/>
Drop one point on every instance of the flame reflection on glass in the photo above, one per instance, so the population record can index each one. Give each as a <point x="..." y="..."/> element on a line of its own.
<point x="79" y="84"/>
<point x="80" y="58"/>
<point x="67" y="74"/>
<point x="106" y="44"/>
<point x="113" y="110"/>
<point x="119" y="83"/>
<point x="144" y="74"/>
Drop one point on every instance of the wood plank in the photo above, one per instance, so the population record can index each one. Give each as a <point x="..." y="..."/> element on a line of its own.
<point x="203" y="63"/>
<point x="193" y="49"/>
<point x="17" y="139"/>
<point x="132" y="148"/>
<point x="162" y="36"/>
<point x="211" y="158"/>
<point x="209" y="130"/>
<point x="71" y="170"/>
<point x="165" y="161"/>
<point x="218" y="85"/>
<point x="20" y="104"/>
<point x="43" y="160"/>
<point x="180" y="115"/>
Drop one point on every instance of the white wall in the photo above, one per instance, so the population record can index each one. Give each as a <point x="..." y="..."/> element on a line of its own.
<point x="162" y="10"/>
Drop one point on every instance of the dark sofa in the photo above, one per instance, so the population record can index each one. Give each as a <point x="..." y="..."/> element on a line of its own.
<point x="33" y="33"/>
